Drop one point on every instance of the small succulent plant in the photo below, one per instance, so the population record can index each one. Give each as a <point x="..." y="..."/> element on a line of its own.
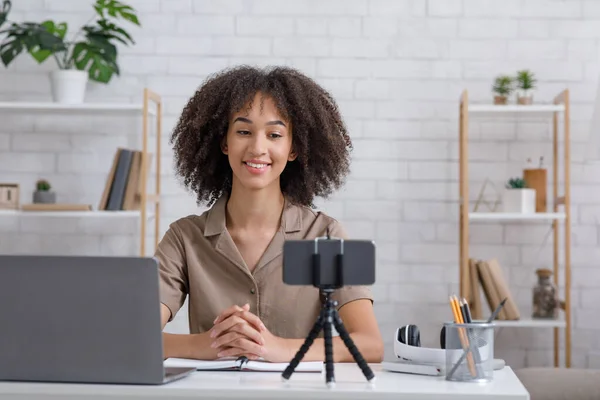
<point x="525" y="80"/>
<point x="516" y="183"/>
<point x="503" y="85"/>
<point x="43" y="185"/>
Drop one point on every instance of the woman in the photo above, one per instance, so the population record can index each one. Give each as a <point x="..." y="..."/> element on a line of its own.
<point x="257" y="147"/>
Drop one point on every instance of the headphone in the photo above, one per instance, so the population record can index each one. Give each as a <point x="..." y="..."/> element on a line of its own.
<point x="407" y="347"/>
<point x="410" y="335"/>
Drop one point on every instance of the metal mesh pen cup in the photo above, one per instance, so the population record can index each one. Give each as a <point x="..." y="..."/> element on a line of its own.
<point x="469" y="352"/>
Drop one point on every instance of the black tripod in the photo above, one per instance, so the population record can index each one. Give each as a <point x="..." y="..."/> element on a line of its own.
<point x="326" y="318"/>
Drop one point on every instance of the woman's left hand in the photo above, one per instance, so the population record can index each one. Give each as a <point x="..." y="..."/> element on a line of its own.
<point x="273" y="349"/>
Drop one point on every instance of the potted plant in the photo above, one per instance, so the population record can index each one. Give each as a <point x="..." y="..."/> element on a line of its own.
<point x="42" y="193"/>
<point x="502" y="88"/>
<point x="525" y="85"/>
<point x="90" y="54"/>
<point x="518" y="197"/>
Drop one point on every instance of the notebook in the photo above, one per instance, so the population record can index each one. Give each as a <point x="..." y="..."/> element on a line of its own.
<point x="242" y="364"/>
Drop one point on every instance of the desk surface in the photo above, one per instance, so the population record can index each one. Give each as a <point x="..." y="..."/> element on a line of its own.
<point x="350" y="384"/>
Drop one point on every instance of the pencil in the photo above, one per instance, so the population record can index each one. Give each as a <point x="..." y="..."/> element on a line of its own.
<point x="463" y="339"/>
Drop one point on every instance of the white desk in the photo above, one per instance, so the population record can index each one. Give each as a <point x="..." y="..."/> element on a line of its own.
<point x="350" y="384"/>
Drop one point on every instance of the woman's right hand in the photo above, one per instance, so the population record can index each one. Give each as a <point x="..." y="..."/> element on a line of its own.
<point x="238" y="329"/>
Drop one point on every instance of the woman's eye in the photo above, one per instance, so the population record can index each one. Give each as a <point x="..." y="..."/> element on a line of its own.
<point x="244" y="132"/>
<point x="275" y="135"/>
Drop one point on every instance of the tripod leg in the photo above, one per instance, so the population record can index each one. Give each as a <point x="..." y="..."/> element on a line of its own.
<point x="363" y="365"/>
<point x="330" y="379"/>
<point x="312" y="335"/>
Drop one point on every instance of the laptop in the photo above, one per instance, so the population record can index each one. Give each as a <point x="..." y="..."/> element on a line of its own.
<point x="81" y="319"/>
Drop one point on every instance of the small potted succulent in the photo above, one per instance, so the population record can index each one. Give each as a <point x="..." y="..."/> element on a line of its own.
<point x="518" y="197"/>
<point x="525" y="85"/>
<point x="502" y="88"/>
<point x="43" y="194"/>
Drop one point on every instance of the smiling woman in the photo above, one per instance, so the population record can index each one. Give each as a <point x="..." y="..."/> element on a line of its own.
<point x="257" y="146"/>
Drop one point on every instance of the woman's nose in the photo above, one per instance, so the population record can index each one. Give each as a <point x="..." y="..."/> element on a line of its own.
<point x="258" y="145"/>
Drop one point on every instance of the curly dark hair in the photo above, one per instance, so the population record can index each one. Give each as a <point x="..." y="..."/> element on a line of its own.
<point x="319" y="135"/>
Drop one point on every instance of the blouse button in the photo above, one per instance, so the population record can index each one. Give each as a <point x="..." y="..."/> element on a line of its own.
<point x="252" y="291"/>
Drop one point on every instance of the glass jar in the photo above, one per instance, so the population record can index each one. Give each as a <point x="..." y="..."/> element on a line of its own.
<point x="545" y="296"/>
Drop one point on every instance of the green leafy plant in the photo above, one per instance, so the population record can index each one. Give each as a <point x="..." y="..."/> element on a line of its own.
<point x="43" y="185"/>
<point x="503" y="85"/>
<point x="525" y="80"/>
<point x="92" y="48"/>
<point x="516" y="183"/>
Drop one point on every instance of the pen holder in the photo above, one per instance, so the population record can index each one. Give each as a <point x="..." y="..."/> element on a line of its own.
<point x="469" y="352"/>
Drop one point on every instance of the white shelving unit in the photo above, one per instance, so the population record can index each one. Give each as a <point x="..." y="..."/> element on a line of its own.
<point x="46" y="106"/>
<point x="559" y="214"/>
<point x="516" y="108"/>
<point x="500" y="216"/>
<point x="75" y="214"/>
<point x="531" y="323"/>
<point x="142" y="109"/>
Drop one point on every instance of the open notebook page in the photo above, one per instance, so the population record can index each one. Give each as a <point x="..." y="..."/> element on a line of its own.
<point x="233" y="363"/>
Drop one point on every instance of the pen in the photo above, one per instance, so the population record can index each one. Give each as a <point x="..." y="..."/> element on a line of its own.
<point x="497" y="310"/>
<point x="463" y="339"/>
<point x="490" y="319"/>
<point x="467" y="311"/>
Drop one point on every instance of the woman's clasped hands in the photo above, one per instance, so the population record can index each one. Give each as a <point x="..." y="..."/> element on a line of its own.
<point x="238" y="332"/>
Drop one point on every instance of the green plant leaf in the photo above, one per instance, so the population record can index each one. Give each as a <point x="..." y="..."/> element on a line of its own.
<point x="47" y="44"/>
<point x="33" y="37"/>
<point x="98" y="56"/>
<point x="4" y="10"/>
<point x="525" y="79"/>
<point x="503" y="85"/>
<point x="110" y="31"/>
<point x="116" y="9"/>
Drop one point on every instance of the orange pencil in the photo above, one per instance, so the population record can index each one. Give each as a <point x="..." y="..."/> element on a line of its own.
<point x="463" y="339"/>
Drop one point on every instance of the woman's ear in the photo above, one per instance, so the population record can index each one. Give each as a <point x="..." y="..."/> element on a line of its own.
<point x="292" y="156"/>
<point x="224" y="145"/>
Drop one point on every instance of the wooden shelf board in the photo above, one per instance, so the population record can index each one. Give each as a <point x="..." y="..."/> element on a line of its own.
<point x="498" y="216"/>
<point x="92" y="107"/>
<point x="515" y="108"/>
<point x="531" y="323"/>
<point x="74" y="214"/>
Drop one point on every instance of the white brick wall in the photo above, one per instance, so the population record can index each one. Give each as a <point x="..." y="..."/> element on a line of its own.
<point x="397" y="68"/>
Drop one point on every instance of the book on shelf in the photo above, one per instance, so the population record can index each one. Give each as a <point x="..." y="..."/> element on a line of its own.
<point x="123" y="187"/>
<point x="487" y="276"/>
<point x="241" y="364"/>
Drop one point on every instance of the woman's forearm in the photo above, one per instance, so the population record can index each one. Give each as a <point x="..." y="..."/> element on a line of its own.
<point x="196" y="346"/>
<point x="371" y="349"/>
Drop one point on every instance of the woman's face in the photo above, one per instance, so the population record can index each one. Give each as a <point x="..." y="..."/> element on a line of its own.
<point x="258" y="144"/>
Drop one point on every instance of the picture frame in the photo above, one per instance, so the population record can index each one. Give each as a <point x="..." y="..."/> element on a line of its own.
<point x="9" y="196"/>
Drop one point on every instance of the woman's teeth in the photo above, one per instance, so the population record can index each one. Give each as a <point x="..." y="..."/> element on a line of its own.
<point x="256" y="165"/>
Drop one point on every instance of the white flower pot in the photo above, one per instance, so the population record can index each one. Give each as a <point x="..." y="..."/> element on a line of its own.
<point x="68" y="86"/>
<point x="518" y="201"/>
<point x="525" y="96"/>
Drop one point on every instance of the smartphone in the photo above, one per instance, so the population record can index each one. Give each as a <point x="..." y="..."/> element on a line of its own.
<point x="338" y="262"/>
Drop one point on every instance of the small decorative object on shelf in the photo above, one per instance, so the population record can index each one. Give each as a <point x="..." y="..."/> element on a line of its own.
<point x="537" y="179"/>
<point x="518" y="197"/>
<point x="43" y="193"/>
<point x="525" y="85"/>
<point x="545" y="297"/>
<point x="91" y="53"/>
<point x="9" y="196"/>
<point x="502" y="88"/>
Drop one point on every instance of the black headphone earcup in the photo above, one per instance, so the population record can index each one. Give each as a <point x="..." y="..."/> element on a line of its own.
<point x="443" y="338"/>
<point x="409" y="335"/>
<point x="402" y="335"/>
<point x="415" y="336"/>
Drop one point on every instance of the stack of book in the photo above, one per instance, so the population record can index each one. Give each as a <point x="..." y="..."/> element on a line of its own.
<point x="487" y="276"/>
<point x="122" y="190"/>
